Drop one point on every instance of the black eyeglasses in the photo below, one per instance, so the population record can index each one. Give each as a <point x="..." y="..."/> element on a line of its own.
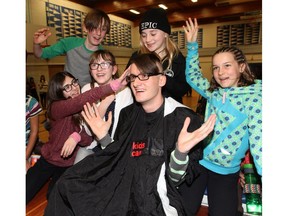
<point x="68" y="87"/>
<point x="142" y="77"/>
<point x="103" y="65"/>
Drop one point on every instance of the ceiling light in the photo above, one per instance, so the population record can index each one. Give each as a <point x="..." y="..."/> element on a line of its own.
<point x="163" y="6"/>
<point x="134" y="11"/>
<point x="194" y="1"/>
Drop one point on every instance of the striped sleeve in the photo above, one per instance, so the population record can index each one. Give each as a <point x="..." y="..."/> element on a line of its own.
<point x="178" y="165"/>
<point x="33" y="107"/>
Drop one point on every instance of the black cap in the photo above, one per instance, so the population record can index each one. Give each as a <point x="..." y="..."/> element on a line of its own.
<point x="155" y="18"/>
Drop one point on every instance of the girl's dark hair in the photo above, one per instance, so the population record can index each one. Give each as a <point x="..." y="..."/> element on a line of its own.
<point x="95" y="19"/>
<point x="28" y="88"/>
<point x="247" y="77"/>
<point x="105" y="55"/>
<point x="148" y="63"/>
<point x="55" y="93"/>
<point x="42" y="77"/>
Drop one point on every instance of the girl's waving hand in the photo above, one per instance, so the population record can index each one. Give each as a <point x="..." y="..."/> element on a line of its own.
<point x="191" y="30"/>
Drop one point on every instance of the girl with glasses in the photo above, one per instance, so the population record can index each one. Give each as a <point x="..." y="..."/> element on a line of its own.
<point x="64" y="106"/>
<point x="103" y="70"/>
<point x="155" y="142"/>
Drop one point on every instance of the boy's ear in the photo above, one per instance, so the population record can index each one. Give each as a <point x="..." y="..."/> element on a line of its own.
<point x="162" y="80"/>
<point x="84" y="28"/>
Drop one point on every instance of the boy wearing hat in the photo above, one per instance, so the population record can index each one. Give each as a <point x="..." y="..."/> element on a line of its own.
<point x="154" y="30"/>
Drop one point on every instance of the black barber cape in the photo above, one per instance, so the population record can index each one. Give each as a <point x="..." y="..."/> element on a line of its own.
<point x="129" y="176"/>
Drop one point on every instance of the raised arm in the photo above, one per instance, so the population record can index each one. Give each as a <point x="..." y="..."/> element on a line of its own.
<point x="179" y="158"/>
<point x="63" y="108"/>
<point x="39" y="37"/>
<point x="194" y="76"/>
<point x="99" y="126"/>
<point x="191" y="30"/>
<point x="187" y="140"/>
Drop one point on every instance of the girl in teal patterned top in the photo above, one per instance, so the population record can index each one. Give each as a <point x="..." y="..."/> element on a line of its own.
<point x="235" y="97"/>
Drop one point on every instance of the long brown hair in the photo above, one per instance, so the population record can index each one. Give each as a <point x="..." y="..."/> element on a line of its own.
<point x="55" y="93"/>
<point x="246" y="78"/>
